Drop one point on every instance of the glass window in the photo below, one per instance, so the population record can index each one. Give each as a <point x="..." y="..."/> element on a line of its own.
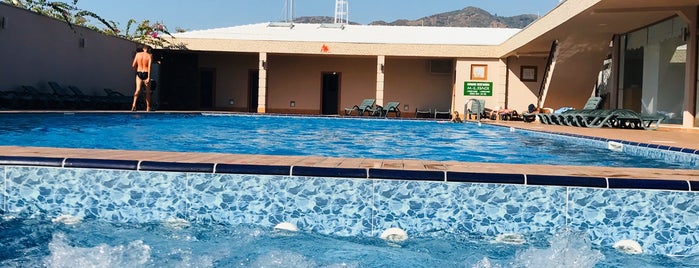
<point x="653" y="70"/>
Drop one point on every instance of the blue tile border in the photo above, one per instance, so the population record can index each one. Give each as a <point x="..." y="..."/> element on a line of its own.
<point x="176" y="167"/>
<point x="398" y="174"/>
<point x="550" y="180"/>
<point x="501" y="178"/>
<point x="648" y="184"/>
<point x="253" y="169"/>
<point x="370" y="173"/>
<point x="31" y="161"/>
<point x="329" y="172"/>
<point x="694" y="185"/>
<point x="631" y="143"/>
<point x="101" y="163"/>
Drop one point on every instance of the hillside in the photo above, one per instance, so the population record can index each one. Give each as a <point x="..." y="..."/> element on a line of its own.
<point x="467" y="17"/>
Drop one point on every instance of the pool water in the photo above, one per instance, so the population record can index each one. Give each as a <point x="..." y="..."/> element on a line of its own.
<point x="33" y="242"/>
<point x="313" y="136"/>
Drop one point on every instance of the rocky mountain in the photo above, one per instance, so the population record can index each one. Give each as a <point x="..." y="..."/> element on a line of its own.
<point x="467" y="17"/>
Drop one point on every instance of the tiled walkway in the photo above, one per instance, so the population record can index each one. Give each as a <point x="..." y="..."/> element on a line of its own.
<point x="664" y="136"/>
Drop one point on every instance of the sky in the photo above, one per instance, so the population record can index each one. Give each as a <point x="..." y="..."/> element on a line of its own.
<point x="208" y="14"/>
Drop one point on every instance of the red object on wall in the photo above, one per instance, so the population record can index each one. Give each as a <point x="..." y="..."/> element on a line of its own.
<point x="325" y="49"/>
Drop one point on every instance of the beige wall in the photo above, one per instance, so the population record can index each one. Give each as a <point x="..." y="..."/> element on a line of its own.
<point x="411" y="82"/>
<point x="298" y="78"/>
<point x="522" y="93"/>
<point x="232" y="75"/>
<point x="497" y="70"/>
<point x="44" y="49"/>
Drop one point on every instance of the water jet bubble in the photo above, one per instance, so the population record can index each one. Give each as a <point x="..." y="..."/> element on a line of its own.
<point x="510" y="239"/>
<point x="67" y="219"/>
<point x="286" y="226"/>
<point x="394" y="235"/>
<point x="176" y="223"/>
<point x="628" y="246"/>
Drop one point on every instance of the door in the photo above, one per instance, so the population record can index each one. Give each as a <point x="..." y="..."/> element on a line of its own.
<point x="330" y="92"/>
<point x="179" y="81"/>
<point x="253" y="90"/>
<point x="207" y="87"/>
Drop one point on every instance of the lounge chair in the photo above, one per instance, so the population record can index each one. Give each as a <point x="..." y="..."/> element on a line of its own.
<point x="69" y="99"/>
<point x="391" y="107"/>
<point x="41" y="99"/>
<point x="102" y="102"/>
<point x="570" y="117"/>
<point x="477" y="109"/>
<point x="366" y="105"/>
<point x="122" y="101"/>
<point x="423" y="113"/>
<point x="446" y="114"/>
<point x="624" y="118"/>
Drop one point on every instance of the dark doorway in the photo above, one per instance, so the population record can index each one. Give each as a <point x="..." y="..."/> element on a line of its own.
<point x="253" y="90"/>
<point x="207" y="87"/>
<point x="178" y="88"/>
<point x="330" y="93"/>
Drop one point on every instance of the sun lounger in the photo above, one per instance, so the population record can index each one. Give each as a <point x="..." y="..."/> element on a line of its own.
<point x="391" y="107"/>
<point x="624" y="118"/>
<point x="423" y="113"/>
<point x="445" y="114"/>
<point x="366" y="105"/>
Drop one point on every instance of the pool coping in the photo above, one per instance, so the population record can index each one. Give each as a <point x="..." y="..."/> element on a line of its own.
<point x="435" y="171"/>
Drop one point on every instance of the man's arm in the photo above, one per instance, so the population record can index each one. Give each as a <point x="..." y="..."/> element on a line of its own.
<point x="134" y="64"/>
<point x="150" y="60"/>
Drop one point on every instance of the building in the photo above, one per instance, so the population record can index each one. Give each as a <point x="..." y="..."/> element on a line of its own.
<point x="637" y="54"/>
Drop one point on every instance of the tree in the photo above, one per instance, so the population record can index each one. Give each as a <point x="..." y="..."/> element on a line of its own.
<point x="145" y="31"/>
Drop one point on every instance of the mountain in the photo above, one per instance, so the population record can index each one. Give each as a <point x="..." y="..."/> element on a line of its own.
<point x="467" y="17"/>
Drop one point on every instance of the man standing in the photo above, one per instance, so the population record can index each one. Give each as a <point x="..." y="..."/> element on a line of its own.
<point x="141" y="63"/>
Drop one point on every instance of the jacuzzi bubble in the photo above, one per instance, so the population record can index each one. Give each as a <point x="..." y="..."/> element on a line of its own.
<point x="395" y="235"/>
<point x="628" y="247"/>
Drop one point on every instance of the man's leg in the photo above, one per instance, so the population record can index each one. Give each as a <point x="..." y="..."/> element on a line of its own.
<point x="147" y="96"/>
<point x="135" y="94"/>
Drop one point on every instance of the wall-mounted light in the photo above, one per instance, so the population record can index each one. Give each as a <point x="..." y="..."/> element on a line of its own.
<point x="406" y="107"/>
<point x="2" y="22"/>
<point x="264" y="65"/>
<point x="81" y="44"/>
<point x="231" y="101"/>
<point x="292" y="104"/>
<point x="382" y="67"/>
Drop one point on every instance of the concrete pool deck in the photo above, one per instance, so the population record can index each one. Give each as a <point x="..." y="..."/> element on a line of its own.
<point x="665" y="136"/>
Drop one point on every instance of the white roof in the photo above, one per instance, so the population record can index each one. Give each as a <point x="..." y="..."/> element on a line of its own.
<point x="368" y="34"/>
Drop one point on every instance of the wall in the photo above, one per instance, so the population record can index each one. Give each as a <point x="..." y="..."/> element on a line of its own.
<point x="36" y="49"/>
<point x="522" y="93"/>
<point x="298" y="78"/>
<point x="411" y="82"/>
<point x="232" y="71"/>
<point x="496" y="73"/>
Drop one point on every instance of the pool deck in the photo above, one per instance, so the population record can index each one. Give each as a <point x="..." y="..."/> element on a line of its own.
<point x="683" y="138"/>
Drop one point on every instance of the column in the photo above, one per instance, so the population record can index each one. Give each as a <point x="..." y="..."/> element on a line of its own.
<point x="380" y="69"/>
<point x="262" y="93"/>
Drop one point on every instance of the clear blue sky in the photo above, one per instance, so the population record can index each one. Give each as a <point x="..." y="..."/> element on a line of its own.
<point x="207" y="14"/>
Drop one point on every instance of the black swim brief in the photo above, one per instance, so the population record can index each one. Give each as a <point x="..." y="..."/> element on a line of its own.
<point x="142" y="75"/>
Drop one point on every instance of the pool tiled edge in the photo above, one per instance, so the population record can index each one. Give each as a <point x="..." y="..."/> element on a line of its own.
<point x="357" y="173"/>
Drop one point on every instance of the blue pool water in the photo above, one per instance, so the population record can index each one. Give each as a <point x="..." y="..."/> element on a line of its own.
<point x="330" y="137"/>
<point x="99" y="244"/>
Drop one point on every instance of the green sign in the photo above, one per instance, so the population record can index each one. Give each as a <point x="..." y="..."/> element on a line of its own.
<point x="478" y="88"/>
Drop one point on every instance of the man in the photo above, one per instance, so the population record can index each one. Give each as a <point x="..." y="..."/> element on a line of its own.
<point x="141" y="63"/>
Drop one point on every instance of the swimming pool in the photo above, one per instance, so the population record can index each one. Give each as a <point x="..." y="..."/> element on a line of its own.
<point x="330" y="137"/>
<point x="77" y="211"/>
